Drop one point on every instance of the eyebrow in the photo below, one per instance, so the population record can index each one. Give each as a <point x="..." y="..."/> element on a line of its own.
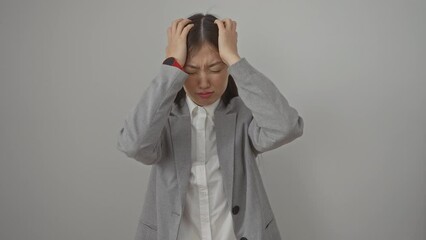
<point x="211" y="65"/>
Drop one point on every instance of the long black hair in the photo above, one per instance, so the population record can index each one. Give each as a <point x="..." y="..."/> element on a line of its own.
<point x="205" y="31"/>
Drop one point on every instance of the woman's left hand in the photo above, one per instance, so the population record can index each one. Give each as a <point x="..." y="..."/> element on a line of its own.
<point x="228" y="41"/>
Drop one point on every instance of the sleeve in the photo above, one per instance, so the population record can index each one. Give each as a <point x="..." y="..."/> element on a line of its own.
<point x="173" y="62"/>
<point x="274" y="121"/>
<point x="140" y="136"/>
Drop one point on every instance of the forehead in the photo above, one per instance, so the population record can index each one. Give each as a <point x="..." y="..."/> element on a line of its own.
<point x="204" y="56"/>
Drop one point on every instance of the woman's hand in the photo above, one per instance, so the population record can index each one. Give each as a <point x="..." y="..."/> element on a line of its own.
<point x="177" y="34"/>
<point x="228" y="41"/>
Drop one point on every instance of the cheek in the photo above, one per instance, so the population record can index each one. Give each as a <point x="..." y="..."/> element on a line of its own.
<point x="190" y="84"/>
<point x="221" y="81"/>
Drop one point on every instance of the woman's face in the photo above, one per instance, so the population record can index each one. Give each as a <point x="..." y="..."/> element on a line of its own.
<point x="207" y="74"/>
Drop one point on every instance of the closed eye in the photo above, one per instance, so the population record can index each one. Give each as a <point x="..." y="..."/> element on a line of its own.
<point x="216" y="71"/>
<point x="211" y="71"/>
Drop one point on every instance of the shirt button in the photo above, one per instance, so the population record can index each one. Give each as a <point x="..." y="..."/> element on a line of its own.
<point x="235" y="210"/>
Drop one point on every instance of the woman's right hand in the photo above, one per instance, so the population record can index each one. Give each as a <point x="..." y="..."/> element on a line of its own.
<point x="177" y="34"/>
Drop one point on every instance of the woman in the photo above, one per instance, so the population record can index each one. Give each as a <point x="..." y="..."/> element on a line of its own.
<point x="201" y="123"/>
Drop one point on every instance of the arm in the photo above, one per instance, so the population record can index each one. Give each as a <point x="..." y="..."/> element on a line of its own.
<point x="274" y="122"/>
<point x="140" y="137"/>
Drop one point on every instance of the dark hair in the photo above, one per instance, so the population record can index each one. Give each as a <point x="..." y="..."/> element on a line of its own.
<point x="205" y="31"/>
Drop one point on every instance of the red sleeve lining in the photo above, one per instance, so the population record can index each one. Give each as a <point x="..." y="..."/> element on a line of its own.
<point x="172" y="62"/>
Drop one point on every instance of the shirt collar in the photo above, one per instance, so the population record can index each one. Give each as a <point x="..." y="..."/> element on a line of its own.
<point x="209" y="108"/>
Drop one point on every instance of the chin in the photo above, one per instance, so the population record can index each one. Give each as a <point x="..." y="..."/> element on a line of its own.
<point x="203" y="101"/>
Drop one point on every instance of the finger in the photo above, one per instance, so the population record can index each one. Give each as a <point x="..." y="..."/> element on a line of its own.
<point x="228" y="24"/>
<point x="182" y="24"/>
<point x="169" y="33"/>
<point x="174" y="25"/>
<point x="187" y="28"/>
<point x="234" y="25"/>
<point x="219" y="24"/>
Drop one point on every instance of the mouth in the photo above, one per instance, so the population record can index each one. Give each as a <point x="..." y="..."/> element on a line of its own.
<point x="205" y="94"/>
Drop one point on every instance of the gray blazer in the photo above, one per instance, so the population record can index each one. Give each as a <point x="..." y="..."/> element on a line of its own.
<point x="157" y="132"/>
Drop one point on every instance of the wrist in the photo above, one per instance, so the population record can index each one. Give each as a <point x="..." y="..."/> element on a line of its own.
<point x="233" y="59"/>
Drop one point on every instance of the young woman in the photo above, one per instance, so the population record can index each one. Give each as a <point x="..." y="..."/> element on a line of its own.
<point x="200" y="124"/>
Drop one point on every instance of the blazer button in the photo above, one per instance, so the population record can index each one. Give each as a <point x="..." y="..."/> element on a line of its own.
<point x="235" y="210"/>
<point x="243" y="238"/>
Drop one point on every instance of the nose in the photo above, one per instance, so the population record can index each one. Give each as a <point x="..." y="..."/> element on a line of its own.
<point x="204" y="81"/>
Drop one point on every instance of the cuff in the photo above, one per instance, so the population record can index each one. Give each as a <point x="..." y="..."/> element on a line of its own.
<point x="172" y="62"/>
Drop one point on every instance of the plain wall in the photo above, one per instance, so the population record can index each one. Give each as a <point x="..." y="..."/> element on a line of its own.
<point x="355" y="71"/>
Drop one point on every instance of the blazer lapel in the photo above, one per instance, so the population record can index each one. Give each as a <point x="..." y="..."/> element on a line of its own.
<point x="180" y="128"/>
<point x="225" y="135"/>
<point x="180" y="125"/>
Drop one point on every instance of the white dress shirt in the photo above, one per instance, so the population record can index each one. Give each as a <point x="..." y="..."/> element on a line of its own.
<point x="205" y="215"/>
